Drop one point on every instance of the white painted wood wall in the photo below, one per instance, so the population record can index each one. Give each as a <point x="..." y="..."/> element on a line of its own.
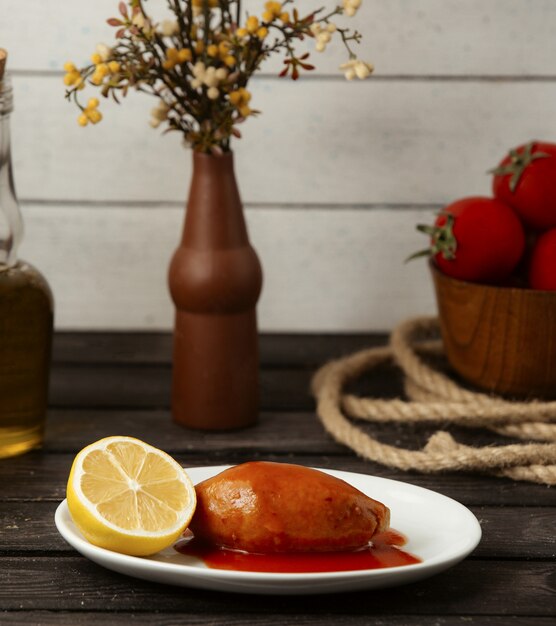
<point x="337" y="174"/>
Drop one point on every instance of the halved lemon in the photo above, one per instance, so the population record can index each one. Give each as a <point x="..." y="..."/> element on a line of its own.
<point x="127" y="496"/>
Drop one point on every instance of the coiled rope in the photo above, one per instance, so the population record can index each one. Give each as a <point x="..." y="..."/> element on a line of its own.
<point x="434" y="397"/>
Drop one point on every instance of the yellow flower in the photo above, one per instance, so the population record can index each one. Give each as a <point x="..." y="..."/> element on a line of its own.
<point x="252" y="24"/>
<point x="71" y="78"/>
<point x="114" y="67"/>
<point x="240" y="99"/>
<point x="184" y="55"/>
<point x="174" y="56"/>
<point x="94" y="116"/>
<point x="285" y="17"/>
<point x="262" y="32"/>
<point x="102" y="70"/>
<point x="96" y="58"/>
<point x="171" y="58"/>
<point x="241" y="32"/>
<point x="199" y="46"/>
<point x="212" y="50"/>
<point x="90" y="113"/>
<point x="235" y="97"/>
<point x="97" y="79"/>
<point x="273" y="9"/>
<point x="230" y="60"/>
<point x="223" y="48"/>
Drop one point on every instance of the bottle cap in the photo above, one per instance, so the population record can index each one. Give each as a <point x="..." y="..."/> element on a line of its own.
<point x="3" y="57"/>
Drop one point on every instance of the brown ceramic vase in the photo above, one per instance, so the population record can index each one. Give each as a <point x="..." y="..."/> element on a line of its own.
<point x="215" y="281"/>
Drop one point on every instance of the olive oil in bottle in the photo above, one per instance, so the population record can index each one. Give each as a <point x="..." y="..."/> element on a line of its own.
<point x="26" y="313"/>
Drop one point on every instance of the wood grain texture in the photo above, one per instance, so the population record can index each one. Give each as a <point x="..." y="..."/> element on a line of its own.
<point x="411" y="37"/>
<point x="509" y="579"/>
<point x="508" y="532"/>
<point x="108" y="266"/>
<point x="34" y="583"/>
<point x="77" y="618"/>
<point x="68" y="430"/>
<point x="500" y="339"/>
<point x="42" y="477"/>
<point x="393" y="143"/>
<point x="457" y="84"/>
<point x="150" y="348"/>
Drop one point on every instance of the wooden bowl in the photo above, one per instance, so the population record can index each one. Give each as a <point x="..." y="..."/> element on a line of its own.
<point x="501" y="339"/>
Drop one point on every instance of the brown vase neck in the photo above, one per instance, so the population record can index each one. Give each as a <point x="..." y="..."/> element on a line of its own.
<point x="214" y="217"/>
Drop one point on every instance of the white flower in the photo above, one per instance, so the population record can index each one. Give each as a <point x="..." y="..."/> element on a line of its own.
<point x="160" y="111"/>
<point x="142" y="22"/>
<point x="199" y="70"/>
<point x="169" y="28"/>
<point x="221" y="73"/>
<point x="103" y="51"/>
<point x="323" y="38"/>
<point x="159" y="114"/>
<point x="315" y="28"/>
<point x="355" y="68"/>
<point x="351" y="6"/>
<point x="331" y="27"/>
<point x="322" y="35"/>
<point x="213" y="93"/>
<point x="209" y="76"/>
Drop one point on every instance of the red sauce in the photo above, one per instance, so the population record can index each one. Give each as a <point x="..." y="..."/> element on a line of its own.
<point x="384" y="552"/>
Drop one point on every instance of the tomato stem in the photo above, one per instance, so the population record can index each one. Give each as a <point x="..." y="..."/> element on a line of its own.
<point x="519" y="161"/>
<point x="442" y="238"/>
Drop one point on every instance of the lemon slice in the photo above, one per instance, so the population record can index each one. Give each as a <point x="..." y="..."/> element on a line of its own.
<point x="126" y="496"/>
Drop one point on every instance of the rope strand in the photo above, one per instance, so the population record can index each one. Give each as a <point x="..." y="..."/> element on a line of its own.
<point x="434" y="398"/>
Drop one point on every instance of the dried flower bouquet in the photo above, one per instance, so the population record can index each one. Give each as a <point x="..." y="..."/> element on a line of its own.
<point x="199" y="63"/>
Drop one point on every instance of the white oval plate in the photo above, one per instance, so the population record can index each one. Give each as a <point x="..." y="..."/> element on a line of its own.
<point x="440" y="531"/>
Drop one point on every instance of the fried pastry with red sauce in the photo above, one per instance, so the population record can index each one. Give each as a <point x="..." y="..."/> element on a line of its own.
<point x="277" y="507"/>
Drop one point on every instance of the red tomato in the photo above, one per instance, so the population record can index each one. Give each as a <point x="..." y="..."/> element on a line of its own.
<point x="542" y="267"/>
<point x="477" y="239"/>
<point x="526" y="180"/>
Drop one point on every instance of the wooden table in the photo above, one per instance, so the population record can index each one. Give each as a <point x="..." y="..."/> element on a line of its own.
<point x="105" y="384"/>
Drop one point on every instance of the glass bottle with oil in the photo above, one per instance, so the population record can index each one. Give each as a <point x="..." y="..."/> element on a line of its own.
<point x="26" y="313"/>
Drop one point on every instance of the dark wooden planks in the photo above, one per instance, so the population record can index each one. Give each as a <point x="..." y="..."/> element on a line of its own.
<point x="68" y="430"/>
<point x="40" y="476"/>
<point x="103" y="370"/>
<point x="149" y="386"/>
<point x="46" y="618"/>
<point x="156" y="348"/>
<point x="508" y="532"/>
<point x="111" y="386"/>
<point x="472" y="588"/>
<point x="108" y="381"/>
<point x="72" y="429"/>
